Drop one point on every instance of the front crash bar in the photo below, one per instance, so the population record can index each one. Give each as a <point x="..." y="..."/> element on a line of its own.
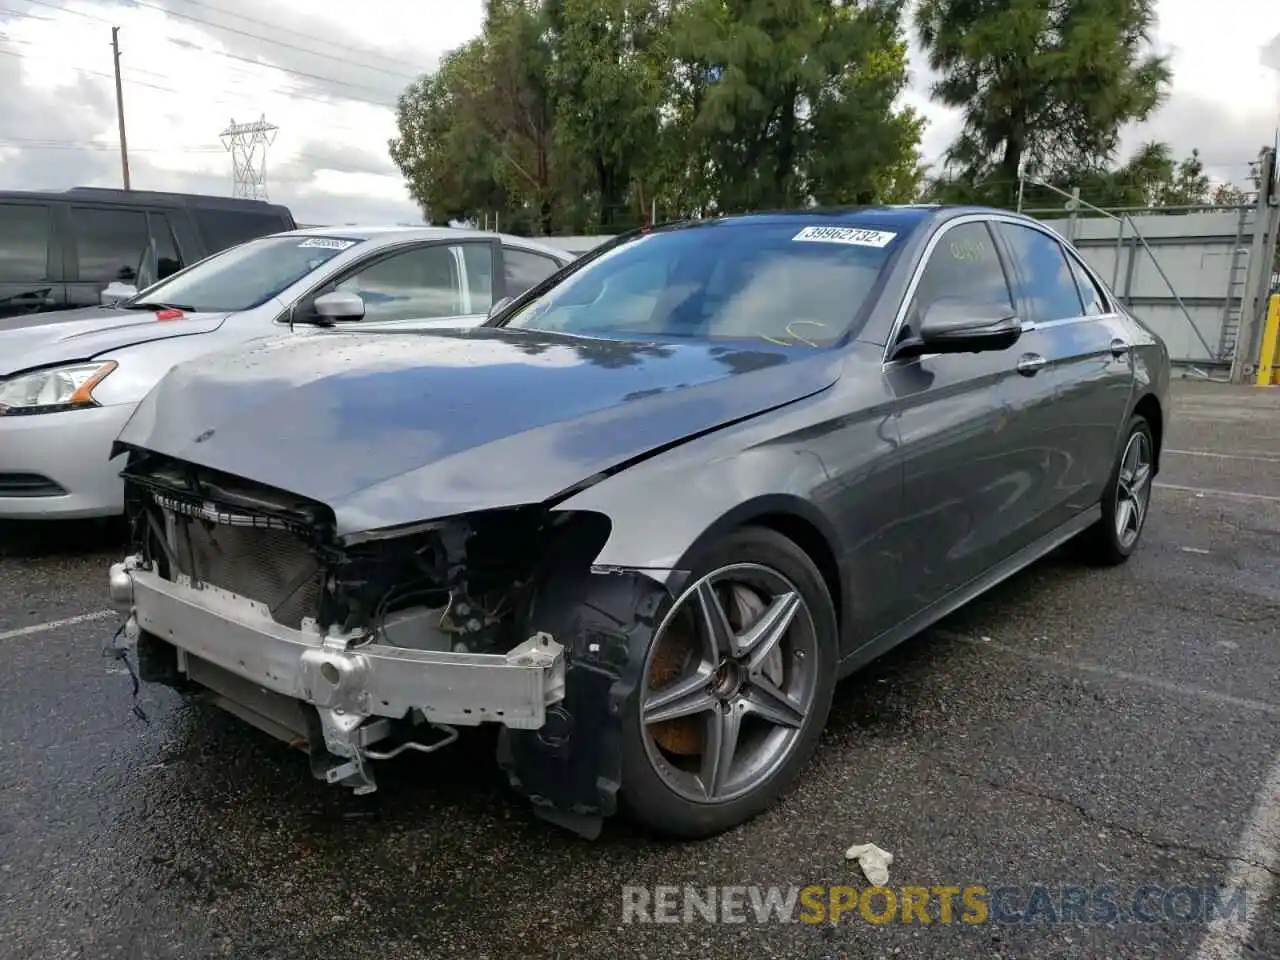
<point x="346" y="679"/>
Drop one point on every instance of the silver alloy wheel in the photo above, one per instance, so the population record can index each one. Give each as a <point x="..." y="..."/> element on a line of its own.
<point x="742" y="679"/>
<point x="1133" y="491"/>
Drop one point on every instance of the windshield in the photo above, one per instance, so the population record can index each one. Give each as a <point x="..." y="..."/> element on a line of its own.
<point x="784" y="283"/>
<point x="245" y="276"/>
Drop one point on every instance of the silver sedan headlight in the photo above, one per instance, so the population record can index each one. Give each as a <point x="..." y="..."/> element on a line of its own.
<point x="54" y="389"/>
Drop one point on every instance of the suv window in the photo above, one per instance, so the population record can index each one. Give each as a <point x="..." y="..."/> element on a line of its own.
<point x="1047" y="282"/>
<point x="226" y="228"/>
<point x="1095" y="301"/>
<point x="109" y="243"/>
<point x="965" y="266"/>
<point x="524" y="269"/>
<point x="24" y="241"/>
<point x="420" y="284"/>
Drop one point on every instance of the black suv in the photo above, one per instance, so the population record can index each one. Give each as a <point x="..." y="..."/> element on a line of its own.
<point x="61" y="250"/>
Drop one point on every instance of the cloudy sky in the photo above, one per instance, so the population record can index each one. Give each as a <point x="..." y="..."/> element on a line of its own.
<point x="327" y="73"/>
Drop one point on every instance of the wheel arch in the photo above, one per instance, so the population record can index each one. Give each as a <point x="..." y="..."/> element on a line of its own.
<point x="1148" y="407"/>
<point x="792" y="517"/>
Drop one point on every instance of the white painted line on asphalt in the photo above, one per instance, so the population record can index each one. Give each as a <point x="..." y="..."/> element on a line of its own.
<point x="1212" y="492"/>
<point x="1261" y="458"/>
<point x="1166" y="686"/>
<point x="1256" y="858"/>
<point x="56" y="624"/>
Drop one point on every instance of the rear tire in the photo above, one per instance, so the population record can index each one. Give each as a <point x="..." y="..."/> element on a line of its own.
<point x="668" y="783"/>
<point x="1125" y="500"/>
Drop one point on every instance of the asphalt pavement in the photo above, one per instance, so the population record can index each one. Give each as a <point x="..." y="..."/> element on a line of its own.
<point x="1077" y="728"/>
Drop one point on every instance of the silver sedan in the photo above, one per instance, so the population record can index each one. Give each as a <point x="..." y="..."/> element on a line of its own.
<point x="70" y="380"/>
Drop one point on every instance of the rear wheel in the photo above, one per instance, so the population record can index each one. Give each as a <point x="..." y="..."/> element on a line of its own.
<point x="736" y="688"/>
<point x="1125" y="500"/>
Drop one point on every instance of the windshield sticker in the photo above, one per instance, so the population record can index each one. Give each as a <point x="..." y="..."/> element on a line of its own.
<point x="850" y="235"/>
<point x="328" y="243"/>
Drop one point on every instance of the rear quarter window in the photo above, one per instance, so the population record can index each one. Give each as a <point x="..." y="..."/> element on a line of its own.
<point x="227" y="228"/>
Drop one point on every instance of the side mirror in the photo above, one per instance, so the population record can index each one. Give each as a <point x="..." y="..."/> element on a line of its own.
<point x="116" y="292"/>
<point x="339" y="305"/>
<point x="499" y="306"/>
<point x="953" y="326"/>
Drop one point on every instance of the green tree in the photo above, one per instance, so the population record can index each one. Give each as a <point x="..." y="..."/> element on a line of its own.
<point x="786" y="102"/>
<point x="608" y="77"/>
<point x="1044" y="85"/>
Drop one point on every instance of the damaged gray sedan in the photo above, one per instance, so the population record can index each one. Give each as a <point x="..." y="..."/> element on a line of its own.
<point x="645" y="517"/>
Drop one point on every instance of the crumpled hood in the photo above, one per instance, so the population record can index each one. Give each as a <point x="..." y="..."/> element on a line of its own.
<point x="64" y="336"/>
<point x="393" y="428"/>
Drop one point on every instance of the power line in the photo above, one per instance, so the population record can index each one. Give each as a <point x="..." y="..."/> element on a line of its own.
<point x="250" y="60"/>
<point x="342" y="45"/>
<point x="168" y="11"/>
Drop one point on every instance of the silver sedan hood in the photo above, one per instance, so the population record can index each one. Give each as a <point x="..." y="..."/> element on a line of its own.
<point x="64" y="336"/>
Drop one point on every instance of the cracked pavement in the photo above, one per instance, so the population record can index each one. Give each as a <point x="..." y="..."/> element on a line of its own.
<point x="1073" y="728"/>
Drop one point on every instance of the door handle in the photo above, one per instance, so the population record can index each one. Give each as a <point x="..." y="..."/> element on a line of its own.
<point x="1029" y="364"/>
<point x="1119" y="348"/>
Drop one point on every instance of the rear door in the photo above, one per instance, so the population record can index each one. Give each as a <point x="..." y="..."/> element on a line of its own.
<point x="30" y="259"/>
<point x="959" y="471"/>
<point x="1069" y="410"/>
<point x="107" y="244"/>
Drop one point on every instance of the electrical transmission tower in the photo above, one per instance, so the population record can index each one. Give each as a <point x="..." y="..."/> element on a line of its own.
<point x="247" y="143"/>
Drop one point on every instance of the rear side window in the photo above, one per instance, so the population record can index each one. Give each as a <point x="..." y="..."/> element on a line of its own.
<point x="24" y="242"/>
<point x="963" y="266"/>
<point x="110" y="243"/>
<point x="226" y="228"/>
<point x="1047" y="282"/>
<point x="478" y="258"/>
<point x="524" y="270"/>
<point x="1095" y="301"/>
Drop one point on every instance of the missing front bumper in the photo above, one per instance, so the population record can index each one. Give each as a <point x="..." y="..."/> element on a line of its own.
<point x="356" y="687"/>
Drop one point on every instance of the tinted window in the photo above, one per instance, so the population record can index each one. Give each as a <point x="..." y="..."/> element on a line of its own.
<point x="964" y="266"/>
<point x="24" y="241"/>
<point x="248" y="275"/>
<point x="110" y="243"/>
<point x="1048" y="285"/>
<point x="1095" y="301"/>
<point x="523" y="270"/>
<point x="479" y="262"/>
<point x="785" y="283"/>
<point x="419" y="284"/>
<point x="162" y="257"/>
<point x="226" y="228"/>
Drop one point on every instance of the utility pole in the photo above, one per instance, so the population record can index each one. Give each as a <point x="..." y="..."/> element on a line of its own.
<point x="124" y="143"/>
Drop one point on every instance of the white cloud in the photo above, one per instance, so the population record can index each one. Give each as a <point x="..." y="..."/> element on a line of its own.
<point x="185" y="80"/>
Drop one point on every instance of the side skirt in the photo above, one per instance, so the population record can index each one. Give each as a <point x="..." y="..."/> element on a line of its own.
<point x="961" y="595"/>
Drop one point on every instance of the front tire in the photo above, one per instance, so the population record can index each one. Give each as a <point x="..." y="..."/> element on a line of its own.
<point x="1125" y="500"/>
<point x="735" y="691"/>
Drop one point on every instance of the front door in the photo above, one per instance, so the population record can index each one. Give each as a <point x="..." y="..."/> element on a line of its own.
<point x="960" y="484"/>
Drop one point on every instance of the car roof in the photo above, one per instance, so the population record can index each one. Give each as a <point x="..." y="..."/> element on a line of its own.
<point x="903" y="218"/>
<point x="112" y="195"/>
<point x="385" y="235"/>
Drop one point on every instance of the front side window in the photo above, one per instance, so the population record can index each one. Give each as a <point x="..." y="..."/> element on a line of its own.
<point x="1047" y="282"/>
<point x="964" y="266"/>
<point x="783" y="282"/>
<point x="420" y="284"/>
<point x="110" y="243"/>
<point x="24" y="242"/>
<point x="246" y="276"/>
<point x="226" y="228"/>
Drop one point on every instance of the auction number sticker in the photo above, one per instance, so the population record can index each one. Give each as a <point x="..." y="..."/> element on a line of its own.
<point x="850" y="235"/>
<point x="328" y="243"/>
